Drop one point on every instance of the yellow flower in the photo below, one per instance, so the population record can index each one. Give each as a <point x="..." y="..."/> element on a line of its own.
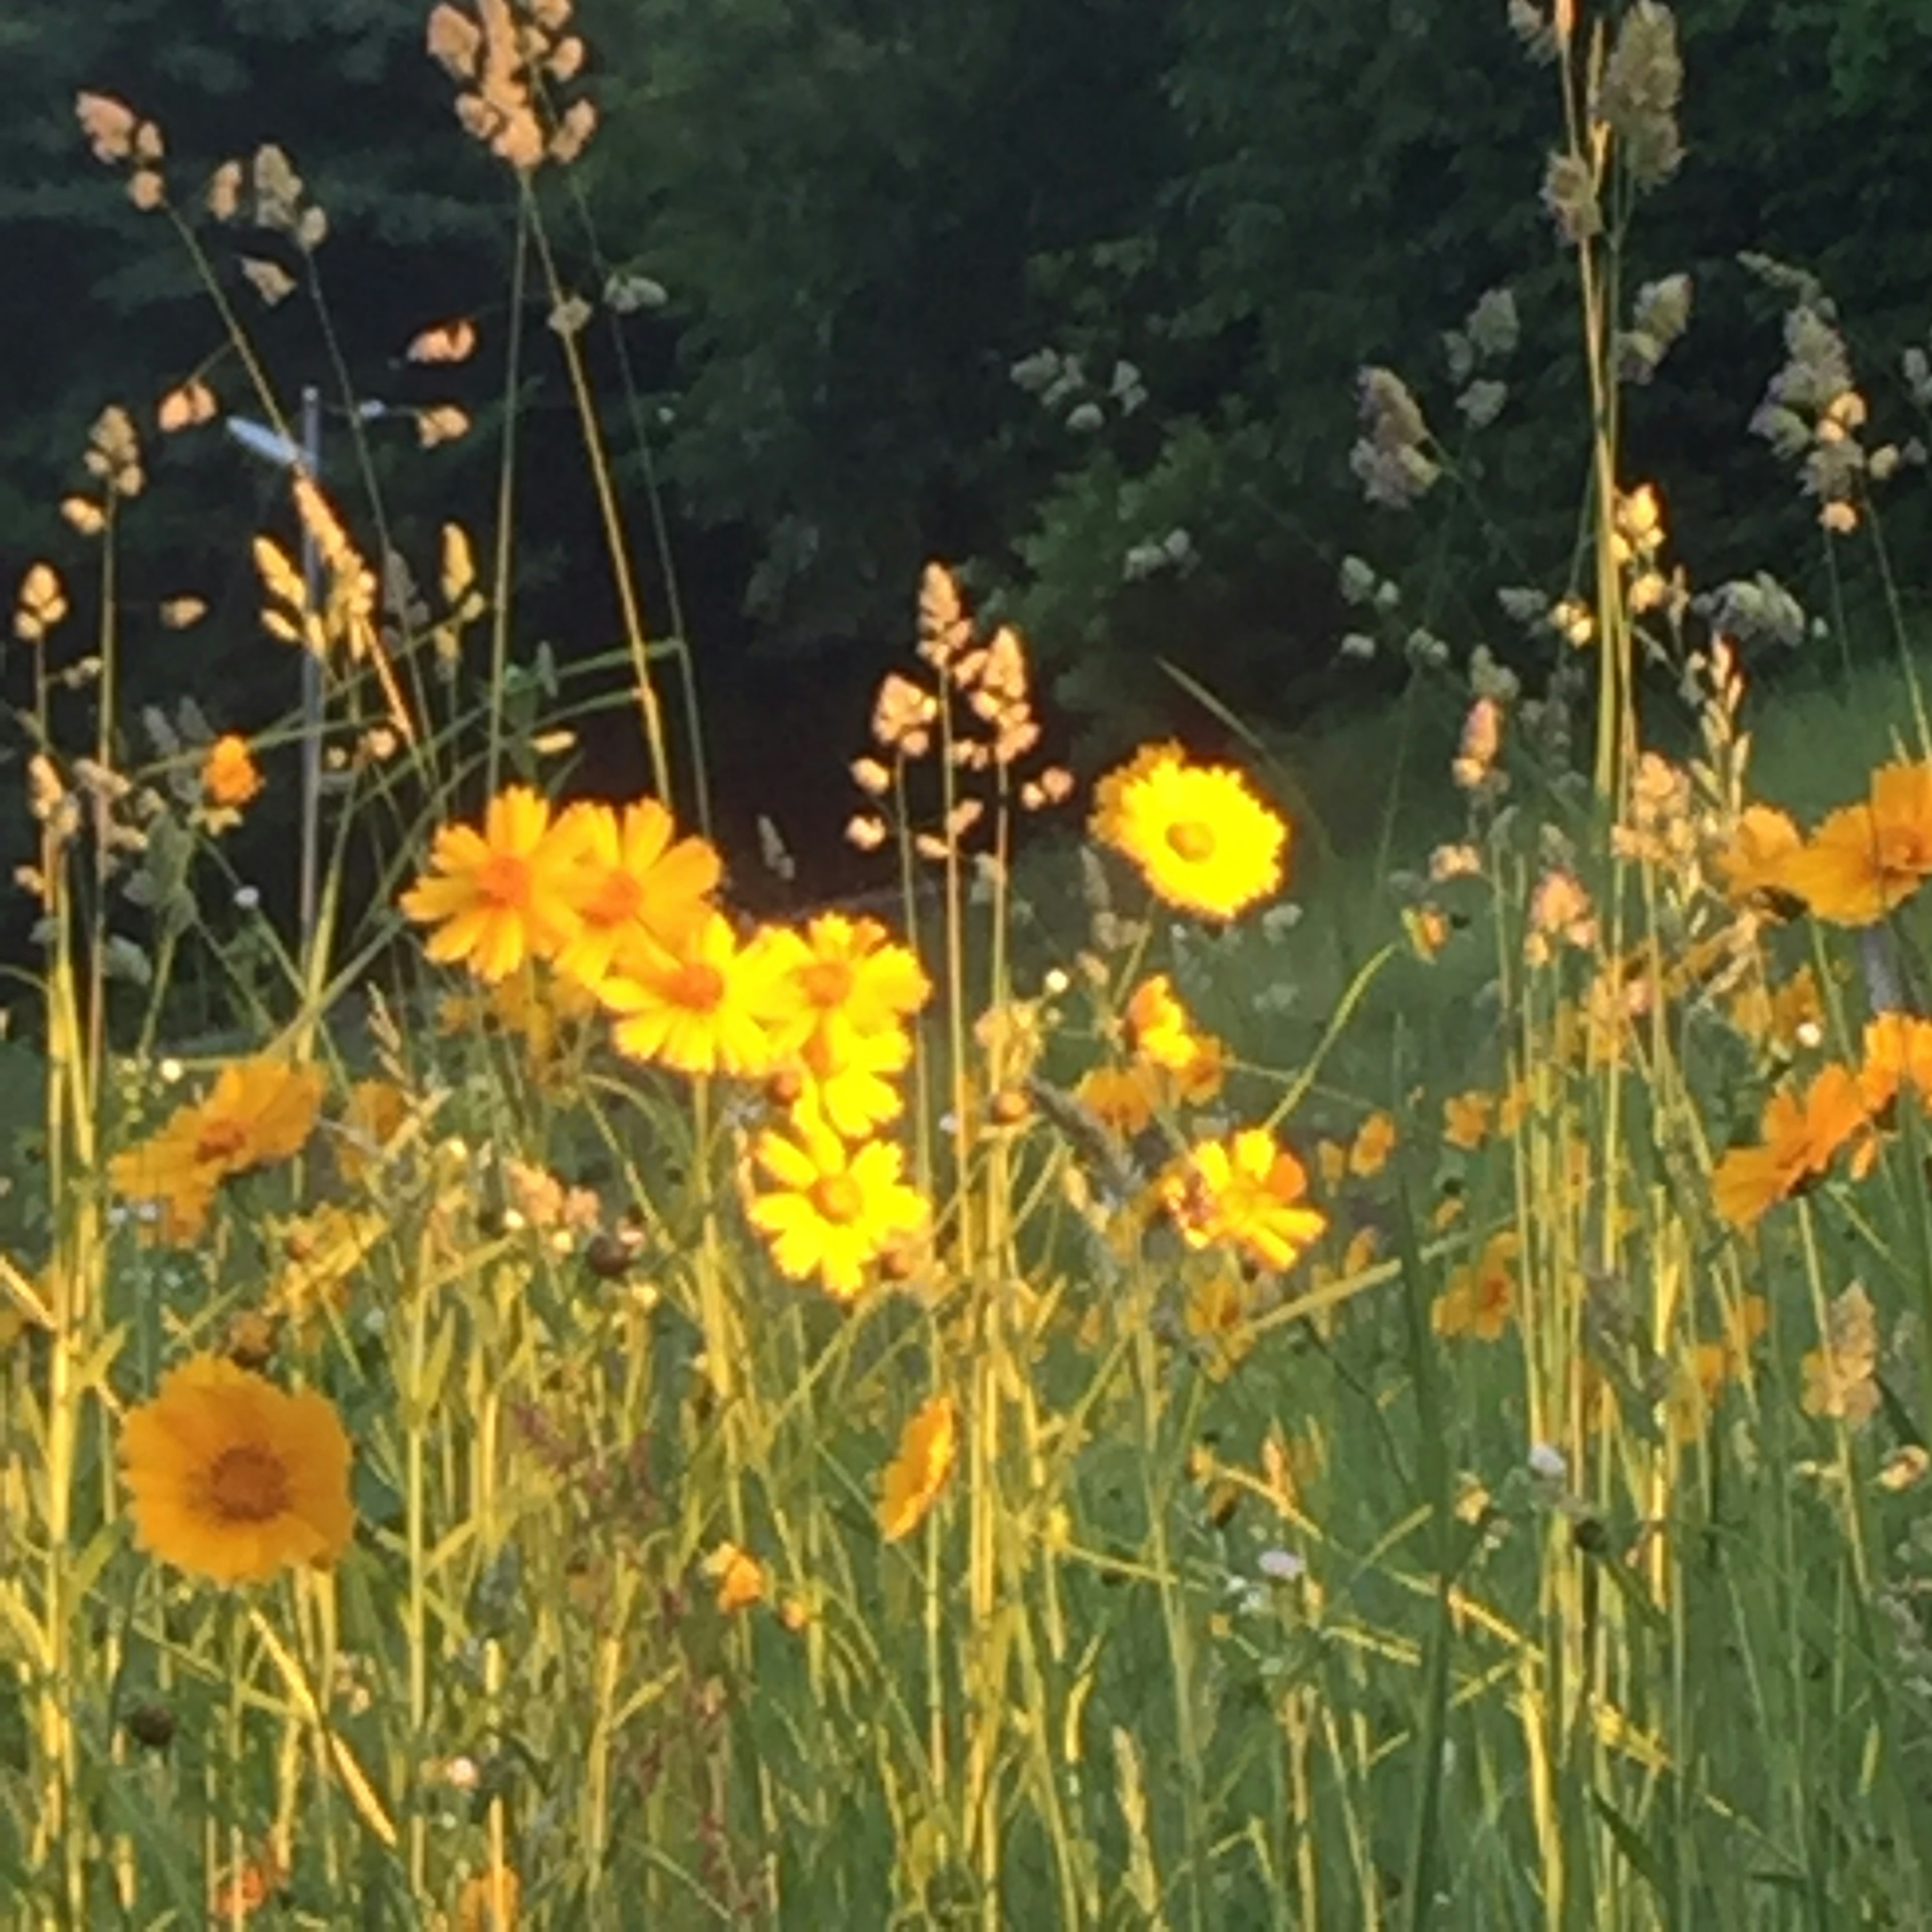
<point x="739" y="1577"/>
<point x="706" y="1008"/>
<point x="229" y="776"/>
<point x="489" y="1902"/>
<point x="1158" y="1029"/>
<point x="634" y="879"/>
<point x="1865" y="859"/>
<point x="1480" y="1298"/>
<point x="232" y="1478"/>
<point x="1757" y="863"/>
<point x="1898" y="1054"/>
<point x="1799" y="1139"/>
<point x="259" y="1111"/>
<point x="503" y="895"/>
<point x="1122" y="1099"/>
<point x="851" y="1080"/>
<point x="1247" y="1192"/>
<point x="321" y="1253"/>
<point x="833" y="1210"/>
<point x="1467" y="1118"/>
<point x="848" y="978"/>
<point x="914" y="1477"/>
<point x="1202" y="840"/>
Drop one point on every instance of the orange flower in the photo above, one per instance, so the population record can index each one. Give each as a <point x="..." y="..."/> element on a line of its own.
<point x="1865" y="859"/>
<point x="229" y="776"/>
<point x="1122" y="1099"/>
<point x="503" y="895"/>
<point x="1247" y="1192"/>
<point x="740" y="1576"/>
<point x="1757" y="860"/>
<point x="1897" y="1053"/>
<point x="635" y="879"/>
<point x="1480" y="1298"/>
<point x="1374" y="1142"/>
<point x="914" y="1479"/>
<point x="1467" y="1118"/>
<point x="1800" y="1138"/>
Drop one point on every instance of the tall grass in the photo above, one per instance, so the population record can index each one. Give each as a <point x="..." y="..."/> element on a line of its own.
<point x="1233" y="1420"/>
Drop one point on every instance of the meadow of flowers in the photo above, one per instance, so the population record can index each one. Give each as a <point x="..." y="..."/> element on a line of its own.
<point x="587" y="1408"/>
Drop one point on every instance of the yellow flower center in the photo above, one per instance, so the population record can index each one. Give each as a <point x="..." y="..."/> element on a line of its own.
<point x="827" y="982"/>
<point x="616" y="900"/>
<point x="247" y="1484"/>
<point x="697" y="985"/>
<point x="503" y="879"/>
<point x="219" y="1141"/>
<point x="837" y="1199"/>
<point x="1189" y="839"/>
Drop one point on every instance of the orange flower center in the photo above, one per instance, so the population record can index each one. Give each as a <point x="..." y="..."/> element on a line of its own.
<point x="837" y="1199"/>
<point x="503" y="879"/>
<point x="617" y="899"/>
<point x="219" y="1141"/>
<point x="697" y="985"/>
<point x="247" y="1484"/>
<point x="1188" y="838"/>
<point x="827" y="982"/>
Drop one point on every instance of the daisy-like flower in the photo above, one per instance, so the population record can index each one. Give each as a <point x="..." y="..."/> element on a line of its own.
<point x="635" y="879"/>
<point x="850" y="979"/>
<point x="851" y="1080"/>
<point x="1374" y="1142"/>
<point x="1897" y="1054"/>
<point x="230" y="779"/>
<point x="231" y="1478"/>
<point x="503" y="895"/>
<point x="832" y="1211"/>
<point x="1468" y="1119"/>
<point x="1754" y="865"/>
<point x="737" y="1575"/>
<point x="1163" y="1036"/>
<point x="1800" y="1138"/>
<point x="706" y="1008"/>
<point x="1247" y="1192"/>
<point x="1865" y="860"/>
<point x="1122" y="1099"/>
<point x="1480" y="1300"/>
<point x="1202" y="840"/>
<point x="259" y="1112"/>
<point x="913" y="1480"/>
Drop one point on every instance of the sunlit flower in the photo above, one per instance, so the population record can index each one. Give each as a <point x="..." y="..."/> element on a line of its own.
<point x="1480" y="1300"/>
<point x="848" y="977"/>
<point x="914" y="1477"/>
<point x="489" y="1902"/>
<point x="259" y="1112"/>
<point x="1799" y="1137"/>
<point x="1202" y="840"/>
<point x="634" y="879"/>
<point x="322" y="1253"/>
<point x="1247" y="1192"/>
<point x="1865" y="859"/>
<point x="232" y="1478"/>
<point x="851" y="1079"/>
<point x="833" y="1211"/>
<point x="738" y="1576"/>
<point x="706" y="1008"/>
<point x="503" y="895"/>
<point x="1897" y="1054"/>
<point x="229" y="777"/>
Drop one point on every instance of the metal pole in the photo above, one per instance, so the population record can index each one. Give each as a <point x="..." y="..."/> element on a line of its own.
<point x="311" y="687"/>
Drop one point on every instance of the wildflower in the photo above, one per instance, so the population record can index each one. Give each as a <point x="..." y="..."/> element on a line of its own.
<point x="229" y="777"/>
<point x="833" y="1211"/>
<point x="1203" y="842"/>
<point x="853" y="1088"/>
<point x="234" y="1479"/>
<point x="322" y="1253"/>
<point x="1467" y="1118"/>
<point x="489" y="1902"/>
<point x="738" y="1576"/>
<point x="251" y="1885"/>
<point x="705" y="1008"/>
<point x="1559" y="910"/>
<point x="1216" y="1316"/>
<point x="373" y="1116"/>
<point x="1898" y="1054"/>
<point x="1799" y="1139"/>
<point x="259" y="1112"/>
<point x="634" y="879"/>
<point x="1374" y="1142"/>
<point x="1865" y="859"/>
<point x="1248" y="1192"/>
<point x="848" y="979"/>
<point x="503" y="895"/>
<point x="1123" y="1099"/>
<point x="1480" y="1300"/>
<point x="913" y="1480"/>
